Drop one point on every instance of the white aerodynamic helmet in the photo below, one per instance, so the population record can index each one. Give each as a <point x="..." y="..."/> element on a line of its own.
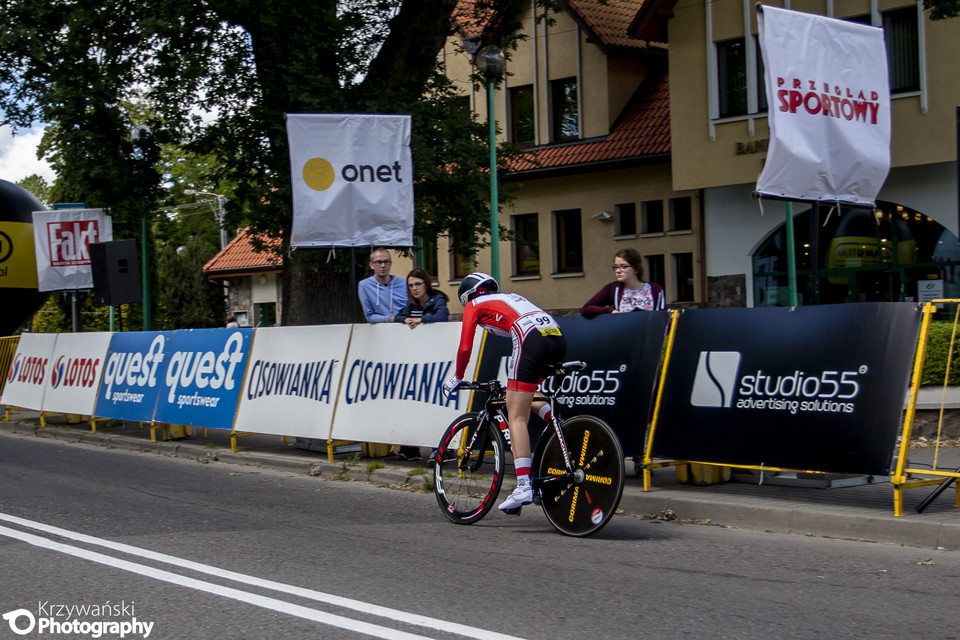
<point x="470" y="286"/>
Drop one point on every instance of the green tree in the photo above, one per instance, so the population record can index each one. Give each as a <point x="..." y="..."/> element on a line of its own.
<point x="218" y="77"/>
<point x="186" y="299"/>
<point x="37" y="185"/>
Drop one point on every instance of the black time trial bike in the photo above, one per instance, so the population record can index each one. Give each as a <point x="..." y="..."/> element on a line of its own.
<point x="577" y="463"/>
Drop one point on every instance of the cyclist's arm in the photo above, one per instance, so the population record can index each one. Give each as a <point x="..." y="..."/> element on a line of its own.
<point x="467" y="331"/>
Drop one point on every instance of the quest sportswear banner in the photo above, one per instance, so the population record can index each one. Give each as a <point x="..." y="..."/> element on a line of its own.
<point x="62" y="239"/>
<point x="352" y="180"/>
<point x="829" y="105"/>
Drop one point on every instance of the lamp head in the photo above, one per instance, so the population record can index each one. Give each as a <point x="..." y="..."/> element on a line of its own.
<point x="491" y="62"/>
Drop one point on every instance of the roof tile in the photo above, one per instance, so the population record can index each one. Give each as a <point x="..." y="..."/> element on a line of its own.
<point x="643" y="129"/>
<point x="239" y="255"/>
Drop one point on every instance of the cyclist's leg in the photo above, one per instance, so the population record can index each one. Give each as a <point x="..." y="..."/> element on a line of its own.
<point x="518" y="413"/>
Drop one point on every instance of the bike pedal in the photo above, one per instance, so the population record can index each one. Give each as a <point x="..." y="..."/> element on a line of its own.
<point x="512" y="512"/>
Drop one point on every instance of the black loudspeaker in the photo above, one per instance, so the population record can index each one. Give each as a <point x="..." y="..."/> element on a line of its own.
<point x="116" y="279"/>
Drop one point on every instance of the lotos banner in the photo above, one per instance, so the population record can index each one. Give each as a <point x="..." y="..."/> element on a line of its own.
<point x="203" y="377"/>
<point x="392" y="386"/>
<point x="829" y="98"/>
<point x="76" y="364"/>
<point x="292" y="380"/>
<point x="818" y="388"/>
<point x="27" y="377"/>
<point x="134" y="370"/>
<point x="62" y="239"/>
<point x="352" y="179"/>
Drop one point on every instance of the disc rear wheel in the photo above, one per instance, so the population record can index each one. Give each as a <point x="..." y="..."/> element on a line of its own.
<point x="581" y="505"/>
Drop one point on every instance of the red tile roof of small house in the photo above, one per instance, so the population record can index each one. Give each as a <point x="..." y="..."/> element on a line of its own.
<point x="239" y="257"/>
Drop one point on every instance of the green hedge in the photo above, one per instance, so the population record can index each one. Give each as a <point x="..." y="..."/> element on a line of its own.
<point x="935" y="362"/>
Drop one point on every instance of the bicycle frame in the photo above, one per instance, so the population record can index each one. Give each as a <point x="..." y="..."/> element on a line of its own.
<point x="495" y="407"/>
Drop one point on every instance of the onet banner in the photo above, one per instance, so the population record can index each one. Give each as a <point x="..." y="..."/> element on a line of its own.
<point x="809" y="388"/>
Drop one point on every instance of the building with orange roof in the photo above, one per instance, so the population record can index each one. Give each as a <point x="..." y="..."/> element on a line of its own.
<point x="591" y="102"/>
<point x="249" y="265"/>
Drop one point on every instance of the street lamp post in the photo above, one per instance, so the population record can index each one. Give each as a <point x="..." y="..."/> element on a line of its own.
<point x="223" y="234"/>
<point x="220" y="199"/>
<point x="491" y="62"/>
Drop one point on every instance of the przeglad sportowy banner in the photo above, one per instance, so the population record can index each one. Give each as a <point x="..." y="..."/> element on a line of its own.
<point x="811" y="388"/>
<point x="352" y="178"/>
<point x="829" y="108"/>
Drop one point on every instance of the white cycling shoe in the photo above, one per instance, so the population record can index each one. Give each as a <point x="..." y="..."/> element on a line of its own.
<point x="520" y="496"/>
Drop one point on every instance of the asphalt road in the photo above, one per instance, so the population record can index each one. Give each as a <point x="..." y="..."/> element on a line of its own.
<point x="219" y="551"/>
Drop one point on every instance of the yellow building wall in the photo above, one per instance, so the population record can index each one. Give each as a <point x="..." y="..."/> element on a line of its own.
<point x="606" y="84"/>
<point x="735" y="155"/>
<point x="589" y="192"/>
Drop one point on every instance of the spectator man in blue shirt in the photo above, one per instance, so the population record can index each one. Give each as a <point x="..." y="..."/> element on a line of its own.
<point x="381" y="295"/>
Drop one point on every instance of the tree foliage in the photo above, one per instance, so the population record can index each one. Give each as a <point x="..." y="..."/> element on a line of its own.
<point x="217" y="76"/>
<point x="38" y="187"/>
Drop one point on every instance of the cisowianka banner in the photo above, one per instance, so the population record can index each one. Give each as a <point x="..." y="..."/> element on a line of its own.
<point x="392" y="386"/>
<point x="819" y="388"/>
<point x="622" y="352"/>
<point x="292" y="380"/>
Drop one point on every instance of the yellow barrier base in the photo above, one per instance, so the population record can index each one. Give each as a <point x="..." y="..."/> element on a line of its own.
<point x="702" y="474"/>
<point x="374" y="450"/>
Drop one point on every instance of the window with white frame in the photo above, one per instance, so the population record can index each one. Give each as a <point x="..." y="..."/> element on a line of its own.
<point x="568" y="239"/>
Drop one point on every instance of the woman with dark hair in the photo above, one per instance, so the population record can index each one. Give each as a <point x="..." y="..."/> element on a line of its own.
<point x="629" y="292"/>
<point x="425" y="304"/>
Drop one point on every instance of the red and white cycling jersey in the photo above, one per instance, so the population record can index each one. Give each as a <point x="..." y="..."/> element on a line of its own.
<point x="502" y="314"/>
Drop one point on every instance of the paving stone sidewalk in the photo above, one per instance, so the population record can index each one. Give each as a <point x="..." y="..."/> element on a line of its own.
<point x="779" y="503"/>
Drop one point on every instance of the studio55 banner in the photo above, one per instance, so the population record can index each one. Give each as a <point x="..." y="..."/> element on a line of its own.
<point x="622" y="352"/>
<point x="829" y="108"/>
<point x="811" y="388"/>
<point x="352" y="180"/>
<point x="62" y="239"/>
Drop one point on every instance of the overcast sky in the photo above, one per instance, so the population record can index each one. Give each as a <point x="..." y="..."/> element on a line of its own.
<point x="18" y="155"/>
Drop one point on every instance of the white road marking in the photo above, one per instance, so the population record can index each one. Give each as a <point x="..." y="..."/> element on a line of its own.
<point x="243" y="596"/>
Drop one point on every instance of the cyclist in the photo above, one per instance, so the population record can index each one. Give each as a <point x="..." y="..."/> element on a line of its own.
<point x="537" y="344"/>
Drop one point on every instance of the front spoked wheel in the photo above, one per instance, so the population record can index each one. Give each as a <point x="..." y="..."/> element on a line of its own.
<point x="582" y="505"/>
<point x="467" y="477"/>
